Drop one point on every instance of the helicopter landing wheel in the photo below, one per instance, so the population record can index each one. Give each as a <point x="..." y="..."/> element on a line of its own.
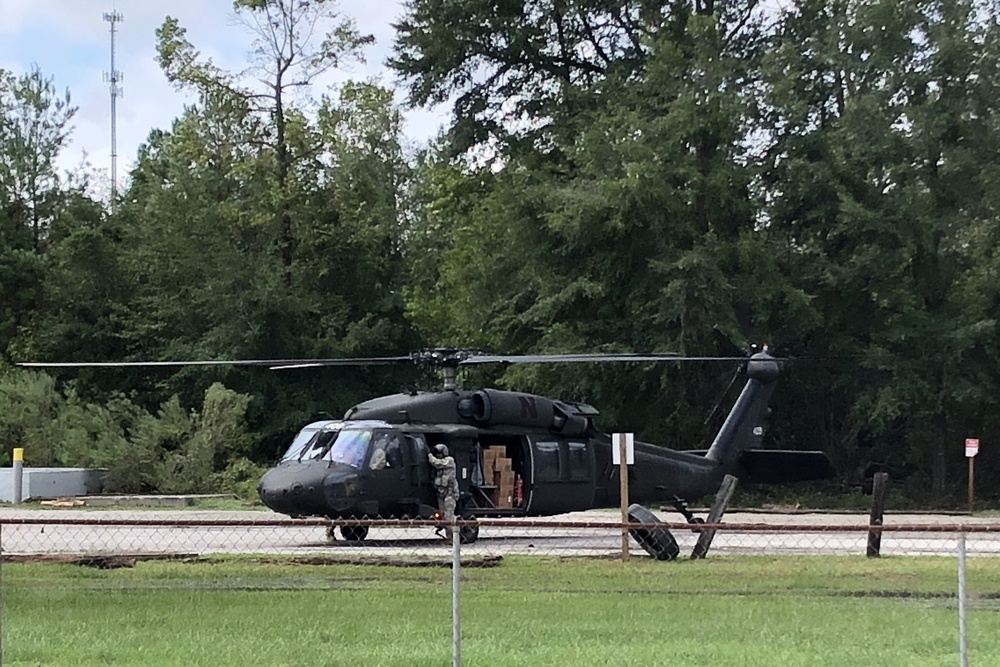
<point x="354" y="533"/>
<point x="468" y="534"/>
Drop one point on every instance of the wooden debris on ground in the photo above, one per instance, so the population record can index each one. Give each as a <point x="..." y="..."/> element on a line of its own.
<point x="63" y="502"/>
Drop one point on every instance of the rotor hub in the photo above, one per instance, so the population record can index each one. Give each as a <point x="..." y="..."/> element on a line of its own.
<point x="448" y="359"/>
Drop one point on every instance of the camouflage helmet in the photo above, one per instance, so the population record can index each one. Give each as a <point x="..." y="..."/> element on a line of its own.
<point x="440" y="451"/>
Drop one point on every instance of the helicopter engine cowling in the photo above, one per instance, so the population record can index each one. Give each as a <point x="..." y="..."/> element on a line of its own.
<point x="493" y="407"/>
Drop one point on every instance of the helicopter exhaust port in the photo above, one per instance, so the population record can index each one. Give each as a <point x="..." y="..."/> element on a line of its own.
<point x="495" y="406"/>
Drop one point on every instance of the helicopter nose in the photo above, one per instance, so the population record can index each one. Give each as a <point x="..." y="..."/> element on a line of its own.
<point x="295" y="489"/>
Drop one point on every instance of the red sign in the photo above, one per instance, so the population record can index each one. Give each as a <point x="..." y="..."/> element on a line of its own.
<point x="971" y="447"/>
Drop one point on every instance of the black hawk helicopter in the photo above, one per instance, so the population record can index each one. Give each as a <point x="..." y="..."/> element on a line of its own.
<point x="516" y="454"/>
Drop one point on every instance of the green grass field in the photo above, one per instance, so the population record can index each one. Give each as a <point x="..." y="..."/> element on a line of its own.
<point x="810" y="611"/>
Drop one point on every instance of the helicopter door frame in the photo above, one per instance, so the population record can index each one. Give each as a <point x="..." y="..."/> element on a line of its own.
<point x="415" y="461"/>
<point x="528" y="474"/>
<point x="505" y="463"/>
<point x="386" y="485"/>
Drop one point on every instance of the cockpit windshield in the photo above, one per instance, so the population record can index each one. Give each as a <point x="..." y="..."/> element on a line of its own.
<point x="335" y="444"/>
<point x="305" y="436"/>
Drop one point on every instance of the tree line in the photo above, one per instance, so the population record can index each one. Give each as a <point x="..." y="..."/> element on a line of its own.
<point x="617" y="175"/>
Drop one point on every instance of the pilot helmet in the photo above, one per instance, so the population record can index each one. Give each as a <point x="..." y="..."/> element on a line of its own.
<point x="440" y="451"/>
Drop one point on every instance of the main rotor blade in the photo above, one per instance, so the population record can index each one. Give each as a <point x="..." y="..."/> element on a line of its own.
<point x="585" y="358"/>
<point x="270" y="363"/>
<point x="443" y="357"/>
<point x="356" y="361"/>
<point x="148" y="364"/>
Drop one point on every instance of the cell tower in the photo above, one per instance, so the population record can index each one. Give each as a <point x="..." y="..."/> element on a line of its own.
<point x="114" y="78"/>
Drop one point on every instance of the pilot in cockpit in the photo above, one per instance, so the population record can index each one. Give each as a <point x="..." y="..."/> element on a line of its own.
<point x="379" y="460"/>
<point x="387" y="452"/>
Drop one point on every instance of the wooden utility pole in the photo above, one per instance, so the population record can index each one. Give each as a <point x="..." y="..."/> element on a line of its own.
<point x="726" y="491"/>
<point x="879" y="490"/>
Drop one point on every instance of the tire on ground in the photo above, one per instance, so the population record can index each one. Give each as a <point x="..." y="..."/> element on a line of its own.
<point x="658" y="542"/>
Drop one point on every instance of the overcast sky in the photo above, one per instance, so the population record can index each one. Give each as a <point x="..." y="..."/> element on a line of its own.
<point x="70" y="41"/>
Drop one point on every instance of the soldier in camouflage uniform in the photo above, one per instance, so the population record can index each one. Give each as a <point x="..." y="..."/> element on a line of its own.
<point x="446" y="483"/>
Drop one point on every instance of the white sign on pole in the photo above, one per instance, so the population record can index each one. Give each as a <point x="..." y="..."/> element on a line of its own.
<point x="971" y="447"/>
<point x="629" y="448"/>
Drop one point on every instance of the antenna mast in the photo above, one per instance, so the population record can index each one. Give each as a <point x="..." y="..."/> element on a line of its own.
<point x="114" y="78"/>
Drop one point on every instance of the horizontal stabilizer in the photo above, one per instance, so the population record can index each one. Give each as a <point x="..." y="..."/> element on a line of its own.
<point x="782" y="466"/>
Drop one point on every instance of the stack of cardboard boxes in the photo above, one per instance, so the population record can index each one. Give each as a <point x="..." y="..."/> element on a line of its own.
<point x="498" y="471"/>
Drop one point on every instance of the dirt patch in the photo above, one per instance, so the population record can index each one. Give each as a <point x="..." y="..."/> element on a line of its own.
<point x="101" y="561"/>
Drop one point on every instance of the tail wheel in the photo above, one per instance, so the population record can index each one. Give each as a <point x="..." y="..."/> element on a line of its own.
<point x="657" y="541"/>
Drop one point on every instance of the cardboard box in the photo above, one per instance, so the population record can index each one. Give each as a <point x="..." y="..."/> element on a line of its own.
<point x="490" y="457"/>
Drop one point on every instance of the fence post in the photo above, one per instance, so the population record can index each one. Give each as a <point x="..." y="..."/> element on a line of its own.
<point x="879" y="490"/>
<point x="456" y="568"/>
<point x="623" y="488"/>
<point x="963" y="643"/>
<point x="726" y="491"/>
<point x="18" y="474"/>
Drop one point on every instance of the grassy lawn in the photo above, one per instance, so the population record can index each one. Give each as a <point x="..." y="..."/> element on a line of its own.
<point x="810" y="611"/>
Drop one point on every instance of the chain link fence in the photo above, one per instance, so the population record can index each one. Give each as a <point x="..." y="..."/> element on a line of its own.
<point x="63" y="535"/>
<point x="492" y="597"/>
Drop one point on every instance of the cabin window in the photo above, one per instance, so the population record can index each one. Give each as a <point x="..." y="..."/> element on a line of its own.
<point x="414" y="449"/>
<point x="547" y="462"/>
<point x="579" y="461"/>
<point x="386" y="451"/>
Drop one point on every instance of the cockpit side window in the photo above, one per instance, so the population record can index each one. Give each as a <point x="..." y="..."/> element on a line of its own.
<point x="350" y="448"/>
<point x="295" y="450"/>
<point x="394" y="451"/>
<point x="386" y="451"/>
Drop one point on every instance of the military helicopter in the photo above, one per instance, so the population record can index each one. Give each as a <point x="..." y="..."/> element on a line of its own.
<point x="516" y="454"/>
